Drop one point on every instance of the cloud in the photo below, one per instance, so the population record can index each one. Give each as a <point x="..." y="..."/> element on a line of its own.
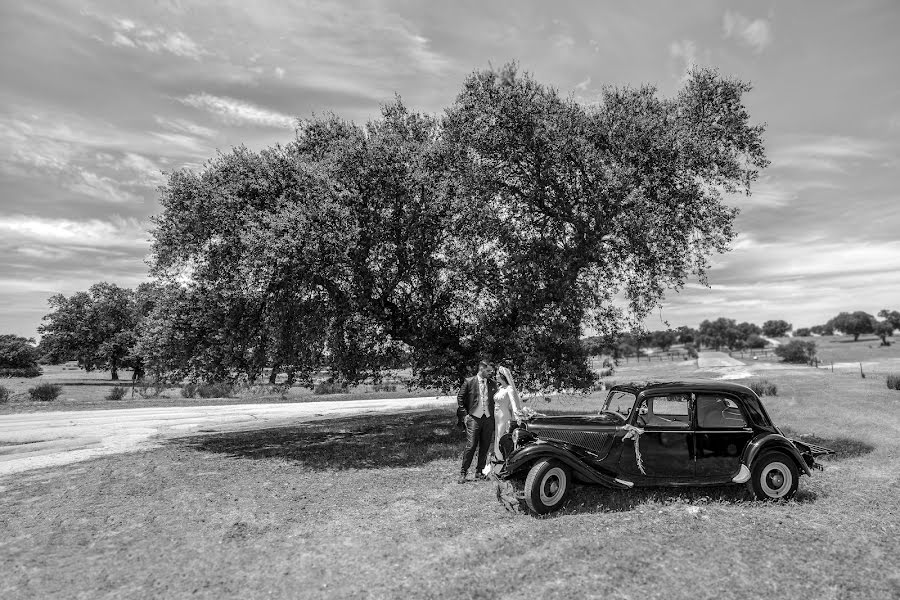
<point x="88" y="159"/>
<point x="99" y="187"/>
<point x="686" y="51"/>
<point x="87" y="233"/>
<point x="757" y="33"/>
<point x="184" y="126"/>
<point x="803" y="282"/>
<point x="238" y="112"/>
<point x="131" y="34"/>
<point x="825" y="153"/>
<point x="583" y="85"/>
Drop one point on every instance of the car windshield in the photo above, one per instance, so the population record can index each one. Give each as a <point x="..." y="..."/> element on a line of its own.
<point x="619" y="401"/>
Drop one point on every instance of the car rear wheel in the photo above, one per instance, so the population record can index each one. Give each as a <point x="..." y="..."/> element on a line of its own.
<point x="774" y="477"/>
<point x="547" y="485"/>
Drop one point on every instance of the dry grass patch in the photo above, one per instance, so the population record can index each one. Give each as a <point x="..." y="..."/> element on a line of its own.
<point x="368" y="507"/>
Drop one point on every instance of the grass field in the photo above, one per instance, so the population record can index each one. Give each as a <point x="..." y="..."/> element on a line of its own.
<point x="369" y="508"/>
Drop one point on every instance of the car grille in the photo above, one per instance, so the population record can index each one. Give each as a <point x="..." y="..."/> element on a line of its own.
<point x="597" y="442"/>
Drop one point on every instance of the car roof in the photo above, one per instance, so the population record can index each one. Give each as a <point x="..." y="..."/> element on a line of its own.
<point x="681" y="386"/>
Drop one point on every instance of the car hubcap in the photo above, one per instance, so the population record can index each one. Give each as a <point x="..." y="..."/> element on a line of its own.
<point x="553" y="486"/>
<point x="776" y="480"/>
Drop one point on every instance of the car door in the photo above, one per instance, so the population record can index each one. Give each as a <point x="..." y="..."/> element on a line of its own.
<point x="665" y="449"/>
<point x="722" y="432"/>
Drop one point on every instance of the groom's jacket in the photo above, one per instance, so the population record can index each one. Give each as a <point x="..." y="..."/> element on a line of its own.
<point x="467" y="398"/>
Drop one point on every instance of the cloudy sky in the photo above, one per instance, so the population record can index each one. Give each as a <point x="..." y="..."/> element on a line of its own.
<point x="100" y="98"/>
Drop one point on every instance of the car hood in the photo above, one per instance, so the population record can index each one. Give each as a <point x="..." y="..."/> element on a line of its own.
<point x="588" y="422"/>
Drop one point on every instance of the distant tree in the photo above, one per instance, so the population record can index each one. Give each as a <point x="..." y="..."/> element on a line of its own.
<point x="686" y="335"/>
<point x="593" y="345"/>
<point x="826" y="329"/>
<point x="754" y="341"/>
<point x="855" y="323"/>
<point x="883" y="329"/>
<point x="802" y="332"/>
<point x="748" y="329"/>
<point x="18" y="356"/>
<point x="776" y="328"/>
<point x="721" y="332"/>
<point x="796" y="351"/>
<point x="97" y="327"/>
<point x="663" y="339"/>
<point x="891" y="316"/>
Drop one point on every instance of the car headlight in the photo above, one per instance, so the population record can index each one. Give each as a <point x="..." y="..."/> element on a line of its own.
<point x="521" y="437"/>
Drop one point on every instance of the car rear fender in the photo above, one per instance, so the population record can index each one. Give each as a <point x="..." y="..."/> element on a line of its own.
<point x="772" y="441"/>
<point x="525" y="456"/>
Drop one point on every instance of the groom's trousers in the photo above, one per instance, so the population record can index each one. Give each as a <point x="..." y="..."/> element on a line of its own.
<point x="479" y="432"/>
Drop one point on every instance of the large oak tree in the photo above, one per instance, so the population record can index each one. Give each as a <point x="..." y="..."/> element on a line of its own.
<point x="501" y="228"/>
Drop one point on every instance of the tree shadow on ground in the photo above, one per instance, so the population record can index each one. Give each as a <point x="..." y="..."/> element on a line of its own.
<point x="360" y="442"/>
<point x="843" y="447"/>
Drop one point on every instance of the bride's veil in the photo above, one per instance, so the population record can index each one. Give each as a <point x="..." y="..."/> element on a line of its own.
<point x="516" y="401"/>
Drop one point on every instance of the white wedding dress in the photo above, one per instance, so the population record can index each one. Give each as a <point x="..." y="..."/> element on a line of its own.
<point x="506" y="405"/>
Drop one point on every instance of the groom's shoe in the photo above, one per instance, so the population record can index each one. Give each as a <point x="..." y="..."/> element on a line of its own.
<point x="462" y="478"/>
<point x="480" y="477"/>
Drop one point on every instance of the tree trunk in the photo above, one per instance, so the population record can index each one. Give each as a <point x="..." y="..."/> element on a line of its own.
<point x="855" y="337"/>
<point x="115" y="374"/>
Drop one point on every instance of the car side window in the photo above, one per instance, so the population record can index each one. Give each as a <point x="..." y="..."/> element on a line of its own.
<point x="671" y="411"/>
<point x="718" y="412"/>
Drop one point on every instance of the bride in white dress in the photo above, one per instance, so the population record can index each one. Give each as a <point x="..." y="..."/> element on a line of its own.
<point x="506" y="406"/>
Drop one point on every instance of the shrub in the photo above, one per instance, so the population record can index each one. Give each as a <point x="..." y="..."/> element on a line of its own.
<point x="45" y="392"/>
<point x="117" y="393"/>
<point x="893" y="382"/>
<point x="330" y="387"/>
<point x="691" y="350"/>
<point x="755" y="341"/>
<point x="27" y="372"/>
<point x="384" y="387"/>
<point x="802" y="332"/>
<point x="4" y="394"/>
<point x="189" y="390"/>
<point x="150" y="388"/>
<point x="282" y="389"/>
<point x="796" y="351"/>
<point x="215" y="390"/>
<point x="763" y="387"/>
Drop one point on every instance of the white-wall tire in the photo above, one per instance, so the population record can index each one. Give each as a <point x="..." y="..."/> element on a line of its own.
<point x="774" y="476"/>
<point x="547" y="485"/>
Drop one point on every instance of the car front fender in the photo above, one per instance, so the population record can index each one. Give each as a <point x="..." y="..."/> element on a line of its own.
<point x="526" y="455"/>
<point x="772" y="441"/>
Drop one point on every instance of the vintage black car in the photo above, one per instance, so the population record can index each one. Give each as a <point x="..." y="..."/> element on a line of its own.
<point x="657" y="434"/>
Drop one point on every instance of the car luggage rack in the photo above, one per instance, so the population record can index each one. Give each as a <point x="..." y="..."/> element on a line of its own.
<point x="819" y="450"/>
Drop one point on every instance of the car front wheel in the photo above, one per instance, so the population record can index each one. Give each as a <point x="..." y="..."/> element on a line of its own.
<point x="774" y="477"/>
<point x="547" y="485"/>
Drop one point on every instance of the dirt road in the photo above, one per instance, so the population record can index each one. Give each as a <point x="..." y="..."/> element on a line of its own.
<point x="35" y="440"/>
<point x="717" y="359"/>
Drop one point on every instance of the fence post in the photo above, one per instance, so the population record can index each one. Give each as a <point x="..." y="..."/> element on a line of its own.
<point x="861" y="374"/>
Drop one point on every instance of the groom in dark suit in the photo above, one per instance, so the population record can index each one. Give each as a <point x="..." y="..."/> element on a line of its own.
<point x="476" y="402"/>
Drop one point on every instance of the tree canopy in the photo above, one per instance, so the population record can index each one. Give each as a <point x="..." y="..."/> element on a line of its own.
<point x="97" y="327"/>
<point x="855" y="323"/>
<point x="776" y="328"/>
<point x="499" y="229"/>
<point x="18" y="357"/>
